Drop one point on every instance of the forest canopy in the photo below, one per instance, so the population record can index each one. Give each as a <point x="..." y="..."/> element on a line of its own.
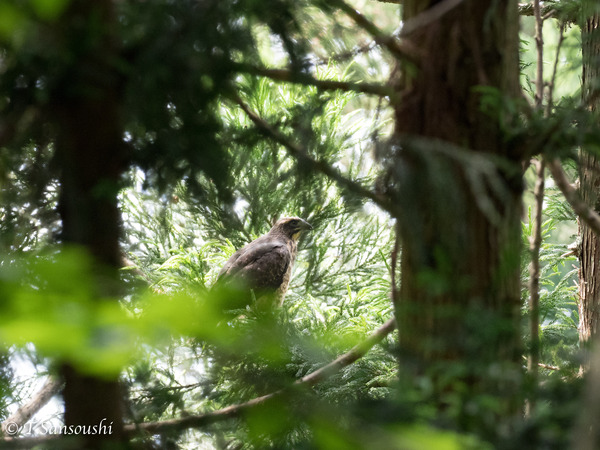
<point x="444" y="154"/>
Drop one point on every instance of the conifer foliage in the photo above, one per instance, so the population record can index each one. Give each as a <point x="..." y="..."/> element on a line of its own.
<point x="143" y="142"/>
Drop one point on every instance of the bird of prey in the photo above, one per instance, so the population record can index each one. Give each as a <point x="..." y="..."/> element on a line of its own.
<point x="262" y="269"/>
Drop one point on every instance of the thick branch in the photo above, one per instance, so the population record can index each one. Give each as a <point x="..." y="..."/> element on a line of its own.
<point x="27" y="411"/>
<point x="302" y="156"/>
<point x="380" y="90"/>
<point x="585" y="213"/>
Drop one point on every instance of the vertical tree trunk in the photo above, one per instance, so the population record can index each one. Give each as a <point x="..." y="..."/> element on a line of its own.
<point x="90" y="157"/>
<point x="589" y="255"/>
<point x="460" y="287"/>
<point x="587" y="435"/>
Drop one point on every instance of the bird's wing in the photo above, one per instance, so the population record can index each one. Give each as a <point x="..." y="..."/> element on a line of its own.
<point x="259" y="265"/>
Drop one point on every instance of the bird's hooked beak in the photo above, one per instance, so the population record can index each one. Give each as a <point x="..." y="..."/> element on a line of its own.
<point x="302" y="225"/>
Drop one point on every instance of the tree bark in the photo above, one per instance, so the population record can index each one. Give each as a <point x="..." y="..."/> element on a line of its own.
<point x="587" y="434"/>
<point x="90" y="158"/>
<point x="589" y="175"/>
<point x="459" y="186"/>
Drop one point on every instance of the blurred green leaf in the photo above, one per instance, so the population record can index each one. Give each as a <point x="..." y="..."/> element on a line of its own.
<point x="12" y="21"/>
<point x="49" y="9"/>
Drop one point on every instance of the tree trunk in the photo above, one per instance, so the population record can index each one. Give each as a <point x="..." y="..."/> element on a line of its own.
<point x="90" y="158"/>
<point x="589" y="255"/>
<point x="587" y="435"/>
<point x="459" y="185"/>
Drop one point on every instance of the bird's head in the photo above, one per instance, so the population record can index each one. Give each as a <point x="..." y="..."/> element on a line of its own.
<point x="292" y="227"/>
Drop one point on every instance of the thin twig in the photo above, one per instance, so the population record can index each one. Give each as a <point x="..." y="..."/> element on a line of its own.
<point x="534" y="279"/>
<point x="552" y="83"/>
<point x="539" y="41"/>
<point x="395" y="253"/>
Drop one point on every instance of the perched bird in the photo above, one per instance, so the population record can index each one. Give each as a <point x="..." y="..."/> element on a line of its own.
<point x="262" y="269"/>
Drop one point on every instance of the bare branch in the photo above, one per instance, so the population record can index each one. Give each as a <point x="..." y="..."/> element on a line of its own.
<point x="402" y="50"/>
<point x="345" y="56"/>
<point x="539" y="41"/>
<point x="238" y="410"/>
<point x="394" y="266"/>
<point x="22" y="415"/>
<point x="534" y="279"/>
<point x="309" y="380"/>
<point x="548" y="366"/>
<point x="350" y="357"/>
<point x="552" y="84"/>
<point x="301" y="154"/>
<point x="585" y="213"/>
<point x="29" y="442"/>
<point x="380" y="90"/>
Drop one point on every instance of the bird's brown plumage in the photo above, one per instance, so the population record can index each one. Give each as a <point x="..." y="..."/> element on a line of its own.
<point x="264" y="266"/>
